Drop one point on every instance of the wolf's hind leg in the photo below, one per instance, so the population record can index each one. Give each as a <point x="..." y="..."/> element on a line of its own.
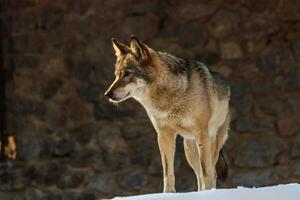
<point x="218" y="158"/>
<point x="192" y="156"/>
<point x="204" y="143"/>
<point x="207" y="165"/>
<point x="221" y="137"/>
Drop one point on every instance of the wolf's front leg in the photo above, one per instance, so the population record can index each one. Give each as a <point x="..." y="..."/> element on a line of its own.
<point x="166" y="143"/>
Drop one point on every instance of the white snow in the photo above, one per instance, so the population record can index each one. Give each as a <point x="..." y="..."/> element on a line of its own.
<point x="279" y="192"/>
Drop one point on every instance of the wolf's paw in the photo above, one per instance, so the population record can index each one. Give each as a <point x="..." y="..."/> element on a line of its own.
<point x="169" y="190"/>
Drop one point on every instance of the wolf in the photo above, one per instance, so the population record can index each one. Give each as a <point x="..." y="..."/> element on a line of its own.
<point x="181" y="97"/>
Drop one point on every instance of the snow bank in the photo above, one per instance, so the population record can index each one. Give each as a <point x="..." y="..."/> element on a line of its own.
<point x="279" y="192"/>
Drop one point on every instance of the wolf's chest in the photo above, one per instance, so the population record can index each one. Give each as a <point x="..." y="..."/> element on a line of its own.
<point x="175" y="121"/>
<point x="179" y="125"/>
<point x="165" y="118"/>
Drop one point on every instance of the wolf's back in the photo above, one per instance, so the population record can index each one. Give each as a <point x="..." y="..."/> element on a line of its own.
<point x="220" y="84"/>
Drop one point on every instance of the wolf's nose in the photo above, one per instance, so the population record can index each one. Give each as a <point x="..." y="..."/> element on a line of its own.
<point x="108" y="94"/>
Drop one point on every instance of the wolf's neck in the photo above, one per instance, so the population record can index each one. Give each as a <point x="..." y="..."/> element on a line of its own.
<point x="171" y="81"/>
<point x="174" y="64"/>
<point x="173" y="77"/>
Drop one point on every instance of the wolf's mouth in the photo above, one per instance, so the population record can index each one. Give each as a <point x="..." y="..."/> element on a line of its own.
<point x="115" y="100"/>
<point x="119" y="100"/>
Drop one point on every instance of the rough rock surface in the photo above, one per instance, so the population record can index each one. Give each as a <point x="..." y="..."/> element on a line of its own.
<point x="73" y="144"/>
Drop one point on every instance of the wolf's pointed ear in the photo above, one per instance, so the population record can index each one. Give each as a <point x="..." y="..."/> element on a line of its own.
<point x="120" y="49"/>
<point x="138" y="48"/>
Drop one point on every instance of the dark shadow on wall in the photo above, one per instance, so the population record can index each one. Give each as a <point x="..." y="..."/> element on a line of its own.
<point x="3" y="141"/>
<point x="73" y="144"/>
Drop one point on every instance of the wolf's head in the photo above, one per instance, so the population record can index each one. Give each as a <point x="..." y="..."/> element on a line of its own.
<point x="133" y="70"/>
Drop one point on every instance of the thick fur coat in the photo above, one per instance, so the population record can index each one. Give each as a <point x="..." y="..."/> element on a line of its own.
<point x="181" y="97"/>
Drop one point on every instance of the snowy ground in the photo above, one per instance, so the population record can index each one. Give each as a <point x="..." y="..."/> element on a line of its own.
<point x="280" y="192"/>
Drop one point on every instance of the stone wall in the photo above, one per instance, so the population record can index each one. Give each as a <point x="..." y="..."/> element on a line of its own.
<point x="73" y="144"/>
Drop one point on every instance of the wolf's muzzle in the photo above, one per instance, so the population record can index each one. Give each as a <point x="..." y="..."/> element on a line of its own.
<point x="108" y="94"/>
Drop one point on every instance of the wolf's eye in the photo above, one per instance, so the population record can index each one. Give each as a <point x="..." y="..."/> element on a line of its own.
<point x="126" y="73"/>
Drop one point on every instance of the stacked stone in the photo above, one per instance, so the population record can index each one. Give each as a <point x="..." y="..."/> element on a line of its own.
<point x="73" y="144"/>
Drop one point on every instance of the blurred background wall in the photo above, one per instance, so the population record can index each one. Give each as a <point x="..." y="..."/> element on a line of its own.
<point x="73" y="144"/>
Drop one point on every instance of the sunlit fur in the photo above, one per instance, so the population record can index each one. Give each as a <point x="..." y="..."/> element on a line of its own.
<point x="182" y="97"/>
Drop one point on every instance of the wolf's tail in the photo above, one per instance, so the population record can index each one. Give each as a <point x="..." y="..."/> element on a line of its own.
<point x="221" y="168"/>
